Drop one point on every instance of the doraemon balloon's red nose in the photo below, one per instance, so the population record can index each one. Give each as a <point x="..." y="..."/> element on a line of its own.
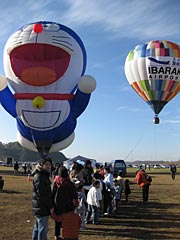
<point x="37" y="28"/>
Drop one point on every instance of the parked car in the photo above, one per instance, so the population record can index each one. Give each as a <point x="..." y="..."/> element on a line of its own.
<point x="157" y="166"/>
<point x="118" y="166"/>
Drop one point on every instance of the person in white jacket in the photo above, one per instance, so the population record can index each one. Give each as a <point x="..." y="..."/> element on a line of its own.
<point x="108" y="177"/>
<point x="100" y="190"/>
<point x="93" y="204"/>
<point x="108" y="180"/>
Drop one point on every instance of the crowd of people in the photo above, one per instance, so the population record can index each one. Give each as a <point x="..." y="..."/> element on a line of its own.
<point x="77" y="197"/>
<point x="23" y="169"/>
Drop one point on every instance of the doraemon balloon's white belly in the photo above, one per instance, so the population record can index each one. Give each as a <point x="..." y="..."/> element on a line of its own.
<point x="43" y="119"/>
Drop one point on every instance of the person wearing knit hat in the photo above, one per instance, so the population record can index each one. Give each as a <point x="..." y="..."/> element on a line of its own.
<point x="65" y="196"/>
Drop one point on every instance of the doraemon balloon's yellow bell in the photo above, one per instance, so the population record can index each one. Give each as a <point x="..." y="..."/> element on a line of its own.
<point x="38" y="102"/>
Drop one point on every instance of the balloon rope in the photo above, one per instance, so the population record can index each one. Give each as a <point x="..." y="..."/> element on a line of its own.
<point x="155" y="144"/>
<point x="132" y="150"/>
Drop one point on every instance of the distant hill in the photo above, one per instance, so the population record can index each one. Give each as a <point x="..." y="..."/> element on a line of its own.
<point x="20" y="154"/>
<point x="139" y="162"/>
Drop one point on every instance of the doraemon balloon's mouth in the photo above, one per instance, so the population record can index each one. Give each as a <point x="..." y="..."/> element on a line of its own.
<point x="52" y="116"/>
<point x="39" y="64"/>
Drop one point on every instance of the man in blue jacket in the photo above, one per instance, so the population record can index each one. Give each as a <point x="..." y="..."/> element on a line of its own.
<point x="42" y="201"/>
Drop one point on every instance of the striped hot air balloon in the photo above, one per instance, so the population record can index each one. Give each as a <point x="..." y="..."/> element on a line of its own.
<point x="153" y="70"/>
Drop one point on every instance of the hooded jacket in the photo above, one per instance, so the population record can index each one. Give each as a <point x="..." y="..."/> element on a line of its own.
<point x="141" y="178"/>
<point x="65" y="195"/>
<point x="42" y="200"/>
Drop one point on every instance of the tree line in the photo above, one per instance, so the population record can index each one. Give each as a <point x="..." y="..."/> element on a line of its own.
<point x="21" y="154"/>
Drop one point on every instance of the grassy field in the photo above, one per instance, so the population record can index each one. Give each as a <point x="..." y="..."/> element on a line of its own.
<point x="160" y="219"/>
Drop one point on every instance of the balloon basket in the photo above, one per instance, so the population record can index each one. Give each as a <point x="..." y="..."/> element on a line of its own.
<point x="156" y="120"/>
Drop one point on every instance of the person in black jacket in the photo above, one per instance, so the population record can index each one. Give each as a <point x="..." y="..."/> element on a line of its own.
<point x="42" y="201"/>
<point x="1" y="183"/>
<point x="65" y="196"/>
<point x="173" y="171"/>
<point x="87" y="176"/>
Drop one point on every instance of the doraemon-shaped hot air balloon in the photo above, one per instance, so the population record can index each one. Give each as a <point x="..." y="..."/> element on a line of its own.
<point x="44" y="63"/>
<point x="153" y="70"/>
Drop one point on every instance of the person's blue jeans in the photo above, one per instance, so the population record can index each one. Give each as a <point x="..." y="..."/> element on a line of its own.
<point x="40" y="228"/>
<point x="95" y="214"/>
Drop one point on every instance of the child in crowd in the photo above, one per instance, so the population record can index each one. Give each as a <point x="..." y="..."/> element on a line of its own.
<point x="100" y="191"/>
<point x="93" y="204"/>
<point x="71" y="223"/>
<point x="1" y="183"/>
<point x="117" y="194"/>
<point x="127" y="189"/>
<point x="121" y="182"/>
<point x="81" y="209"/>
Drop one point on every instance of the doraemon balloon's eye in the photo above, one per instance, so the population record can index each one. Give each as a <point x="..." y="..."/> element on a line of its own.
<point x="51" y="27"/>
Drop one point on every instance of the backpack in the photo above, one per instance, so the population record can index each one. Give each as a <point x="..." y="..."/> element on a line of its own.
<point x="149" y="178"/>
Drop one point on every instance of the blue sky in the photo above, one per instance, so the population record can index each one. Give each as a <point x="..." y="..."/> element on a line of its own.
<point x="117" y="123"/>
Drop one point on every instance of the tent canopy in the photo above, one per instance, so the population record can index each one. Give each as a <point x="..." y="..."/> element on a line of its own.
<point x="79" y="159"/>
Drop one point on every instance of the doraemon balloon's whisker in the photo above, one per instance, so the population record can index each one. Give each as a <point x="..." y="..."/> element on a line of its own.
<point x="68" y="49"/>
<point x="16" y="37"/>
<point x="61" y="37"/>
<point x="60" y="41"/>
<point x="16" y="42"/>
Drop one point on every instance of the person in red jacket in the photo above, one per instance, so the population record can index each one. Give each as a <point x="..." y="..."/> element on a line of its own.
<point x="142" y="179"/>
<point x="65" y="196"/>
<point x="71" y="223"/>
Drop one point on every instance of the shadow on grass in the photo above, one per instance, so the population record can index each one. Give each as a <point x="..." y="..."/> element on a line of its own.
<point x="6" y="172"/>
<point x="12" y="192"/>
<point x="138" y="221"/>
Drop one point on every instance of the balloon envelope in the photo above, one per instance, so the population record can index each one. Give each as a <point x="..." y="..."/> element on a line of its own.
<point x="153" y="70"/>
<point x="44" y="63"/>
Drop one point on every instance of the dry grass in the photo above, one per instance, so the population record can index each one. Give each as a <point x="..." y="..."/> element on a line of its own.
<point x="160" y="219"/>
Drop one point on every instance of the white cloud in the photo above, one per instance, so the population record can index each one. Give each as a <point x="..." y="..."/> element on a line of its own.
<point x="124" y="88"/>
<point x="121" y="108"/>
<point x="97" y="66"/>
<point x="172" y="121"/>
<point x="133" y="19"/>
<point x="18" y="13"/>
<point x="120" y="18"/>
<point x="173" y="125"/>
<point x="129" y="109"/>
<point x="106" y="63"/>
